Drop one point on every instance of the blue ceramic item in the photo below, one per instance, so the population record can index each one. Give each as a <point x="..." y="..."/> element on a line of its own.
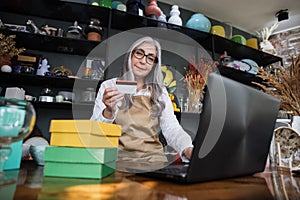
<point x="199" y="22"/>
<point x="254" y="66"/>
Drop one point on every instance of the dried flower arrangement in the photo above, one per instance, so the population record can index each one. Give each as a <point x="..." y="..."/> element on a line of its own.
<point x="264" y="35"/>
<point x="285" y="86"/>
<point x="196" y="77"/>
<point x="7" y="46"/>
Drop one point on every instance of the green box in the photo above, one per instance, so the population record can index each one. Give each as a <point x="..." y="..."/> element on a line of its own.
<point x="80" y="155"/>
<point x="79" y="170"/>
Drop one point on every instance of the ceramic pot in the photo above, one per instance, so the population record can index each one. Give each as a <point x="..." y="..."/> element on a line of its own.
<point x="239" y="39"/>
<point x="94" y="30"/>
<point x="199" y="22"/>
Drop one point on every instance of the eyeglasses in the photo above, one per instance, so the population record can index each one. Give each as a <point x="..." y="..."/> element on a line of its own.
<point x="140" y="54"/>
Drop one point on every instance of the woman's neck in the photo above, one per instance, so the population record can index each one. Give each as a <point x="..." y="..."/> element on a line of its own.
<point x="140" y="84"/>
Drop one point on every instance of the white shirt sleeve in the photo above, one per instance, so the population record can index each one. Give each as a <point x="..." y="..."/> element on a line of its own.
<point x="99" y="105"/>
<point x="175" y="136"/>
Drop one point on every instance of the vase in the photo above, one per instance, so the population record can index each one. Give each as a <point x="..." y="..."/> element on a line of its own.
<point x="105" y="3"/>
<point x="174" y="16"/>
<point x="194" y="103"/>
<point x="199" y="22"/>
<point x="152" y="10"/>
<point x="296" y="124"/>
<point x="162" y="20"/>
<point x="136" y="7"/>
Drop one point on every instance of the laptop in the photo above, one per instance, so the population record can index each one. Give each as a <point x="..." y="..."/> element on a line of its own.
<point x="233" y="137"/>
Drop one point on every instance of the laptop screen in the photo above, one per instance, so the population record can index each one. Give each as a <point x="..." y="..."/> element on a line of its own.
<point x="234" y="132"/>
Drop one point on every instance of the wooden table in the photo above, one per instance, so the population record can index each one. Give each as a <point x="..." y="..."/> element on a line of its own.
<point x="31" y="184"/>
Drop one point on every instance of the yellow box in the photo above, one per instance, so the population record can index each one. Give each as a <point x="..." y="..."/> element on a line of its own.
<point x="85" y="126"/>
<point x="74" y="139"/>
<point x="84" y="133"/>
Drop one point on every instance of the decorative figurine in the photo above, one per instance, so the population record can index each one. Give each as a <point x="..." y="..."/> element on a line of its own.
<point x="175" y="18"/>
<point x="265" y="44"/>
<point x="74" y="31"/>
<point x="43" y="67"/>
<point x="34" y="28"/>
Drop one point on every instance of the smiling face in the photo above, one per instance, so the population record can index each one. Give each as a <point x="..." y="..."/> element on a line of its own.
<point x="143" y="59"/>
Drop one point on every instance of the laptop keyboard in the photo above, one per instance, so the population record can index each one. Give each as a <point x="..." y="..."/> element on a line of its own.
<point x="175" y="169"/>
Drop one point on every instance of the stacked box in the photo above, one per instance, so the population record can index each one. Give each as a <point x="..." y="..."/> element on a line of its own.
<point x="84" y="133"/>
<point x="81" y="149"/>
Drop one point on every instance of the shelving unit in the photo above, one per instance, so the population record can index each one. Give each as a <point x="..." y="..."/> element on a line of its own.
<point x="30" y="79"/>
<point x="113" y="21"/>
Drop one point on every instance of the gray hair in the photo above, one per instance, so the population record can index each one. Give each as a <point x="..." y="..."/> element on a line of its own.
<point x="154" y="80"/>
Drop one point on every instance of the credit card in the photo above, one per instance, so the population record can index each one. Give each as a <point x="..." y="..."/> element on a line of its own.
<point x="127" y="87"/>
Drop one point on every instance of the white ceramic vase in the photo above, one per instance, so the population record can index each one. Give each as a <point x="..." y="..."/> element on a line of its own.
<point x="296" y="124"/>
<point x="175" y="18"/>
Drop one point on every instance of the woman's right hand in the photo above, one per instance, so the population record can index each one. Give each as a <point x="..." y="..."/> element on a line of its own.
<point x="111" y="97"/>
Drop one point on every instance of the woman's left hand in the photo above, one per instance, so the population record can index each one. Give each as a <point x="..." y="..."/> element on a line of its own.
<point x="111" y="97"/>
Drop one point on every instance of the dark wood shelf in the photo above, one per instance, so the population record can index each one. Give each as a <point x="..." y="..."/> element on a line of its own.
<point x="209" y="42"/>
<point x="238" y="51"/>
<point x="58" y="10"/>
<point x="118" y="20"/>
<point x="68" y="106"/>
<point x="52" y="43"/>
<point x="30" y="79"/>
<point x="240" y="76"/>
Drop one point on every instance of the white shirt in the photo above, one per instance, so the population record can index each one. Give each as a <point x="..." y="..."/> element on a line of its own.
<point x="175" y="136"/>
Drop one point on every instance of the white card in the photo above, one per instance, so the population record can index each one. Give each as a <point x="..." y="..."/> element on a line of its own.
<point x="127" y="87"/>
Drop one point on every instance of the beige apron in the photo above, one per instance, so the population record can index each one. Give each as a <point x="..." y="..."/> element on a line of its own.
<point x="139" y="141"/>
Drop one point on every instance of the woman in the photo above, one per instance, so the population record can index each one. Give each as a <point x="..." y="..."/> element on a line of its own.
<point x="143" y="113"/>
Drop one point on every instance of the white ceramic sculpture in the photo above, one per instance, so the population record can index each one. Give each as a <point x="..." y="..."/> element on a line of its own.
<point x="175" y="16"/>
<point x="43" y="67"/>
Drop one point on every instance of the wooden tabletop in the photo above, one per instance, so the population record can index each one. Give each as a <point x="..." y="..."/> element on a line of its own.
<point x="31" y="184"/>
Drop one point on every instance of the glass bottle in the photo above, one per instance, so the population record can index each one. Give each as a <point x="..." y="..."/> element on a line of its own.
<point x="87" y="70"/>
